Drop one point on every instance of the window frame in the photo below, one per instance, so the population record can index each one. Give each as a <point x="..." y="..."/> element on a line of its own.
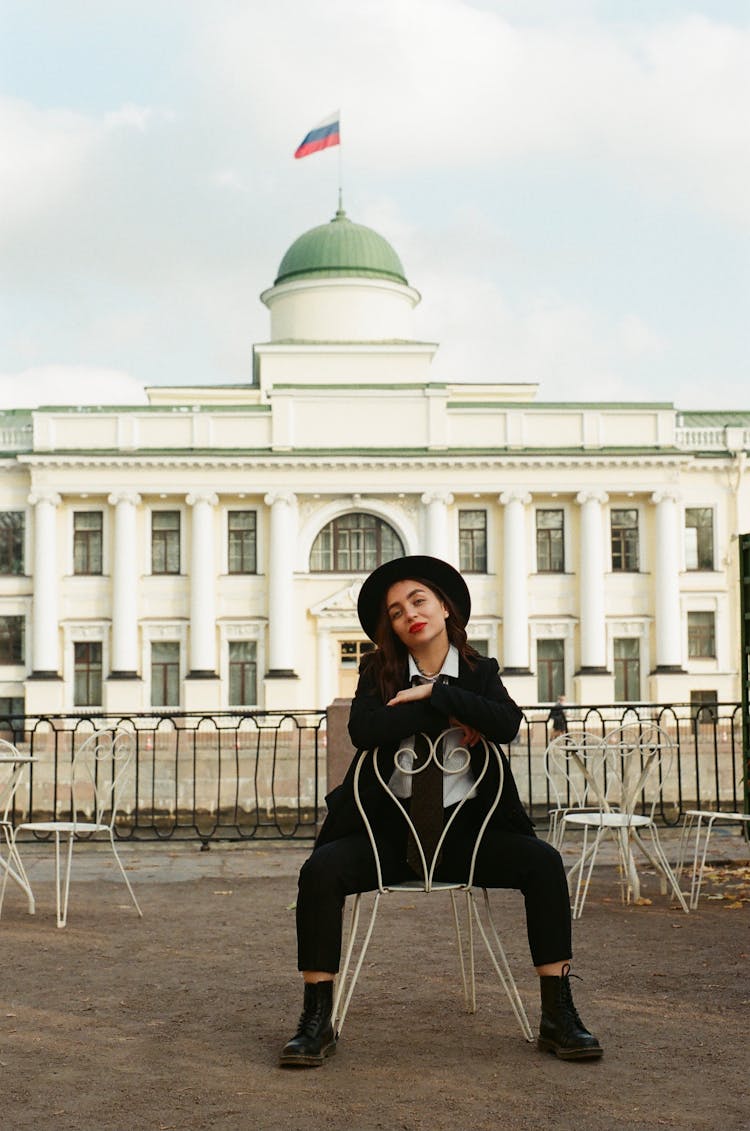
<point x="12" y="640"/>
<point x="620" y="534"/>
<point x="549" y="531"/>
<point x="556" y="687"/>
<point x="483" y="539"/>
<point x="94" y="674"/>
<point x="242" y="572"/>
<point x="698" y="637"/>
<point x="76" y="511"/>
<point x="699" y="567"/>
<point x="333" y="525"/>
<point x="17" y="536"/>
<point x="232" y="664"/>
<point x="154" y="512"/>
<point x="177" y="644"/>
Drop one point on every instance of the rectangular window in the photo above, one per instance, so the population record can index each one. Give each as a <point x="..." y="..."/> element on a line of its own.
<point x="625" y="540"/>
<point x="165" y="674"/>
<point x="12" y="640"/>
<point x="241" y="542"/>
<point x="550" y="669"/>
<point x="701" y="636"/>
<point x="472" y="541"/>
<point x="87" y="674"/>
<point x="87" y="541"/>
<point x="627" y="660"/>
<point x="704" y="707"/>
<point x="699" y="538"/>
<point x="165" y="542"/>
<point x="550" y="541"/>
<point x="243" y="673"/>
<point x="12" y="711"/>
<point x="11" y="541"/>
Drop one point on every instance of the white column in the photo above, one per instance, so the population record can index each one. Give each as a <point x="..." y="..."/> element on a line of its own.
<point x="202" y="586"/>
<point x="591" y="578"/>
<point x="437" y="503"/>
<point x="124" y="586"/>
<point x="325" y="686"/>
<point x="45" y="651"/>
<point x="667" y="581"/>
<point x="282" y="630"/>
<point x="515" y="582"/>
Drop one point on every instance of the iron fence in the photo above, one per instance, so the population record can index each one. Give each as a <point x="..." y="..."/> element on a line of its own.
<point x="220" y="775"/>
<point x="262" y="774"/>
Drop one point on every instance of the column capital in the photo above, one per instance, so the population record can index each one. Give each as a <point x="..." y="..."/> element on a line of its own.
<point x="131" y="497"/>
<point x="515" y="495"/>
<point x="44" y="495"/>
<point x="592" y="497"/>
<point x="437" y="496"/>
<point x="287" y="497"/>
<point x="666" y="495"/>
<point x="195" y="497"/>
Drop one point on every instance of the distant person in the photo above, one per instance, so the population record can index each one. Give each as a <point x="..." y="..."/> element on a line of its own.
<point x="557" y="718"/>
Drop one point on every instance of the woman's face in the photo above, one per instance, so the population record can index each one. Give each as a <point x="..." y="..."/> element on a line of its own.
<point x="417" y="615"/>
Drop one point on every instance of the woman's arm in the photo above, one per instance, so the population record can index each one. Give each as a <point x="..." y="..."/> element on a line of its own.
<point x="491" y="711"/>
<point x="373" y="723"/>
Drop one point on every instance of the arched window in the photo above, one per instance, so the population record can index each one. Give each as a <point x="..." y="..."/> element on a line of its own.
<point x="354" y="543"/>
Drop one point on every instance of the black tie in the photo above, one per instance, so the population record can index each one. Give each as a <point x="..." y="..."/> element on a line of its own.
<point x="426" y="809"/>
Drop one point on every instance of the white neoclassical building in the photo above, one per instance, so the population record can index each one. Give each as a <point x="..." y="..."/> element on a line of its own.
<point x="204" y="551"/>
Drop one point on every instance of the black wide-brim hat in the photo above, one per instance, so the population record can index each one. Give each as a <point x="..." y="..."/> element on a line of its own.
<point x="416" y="567"/>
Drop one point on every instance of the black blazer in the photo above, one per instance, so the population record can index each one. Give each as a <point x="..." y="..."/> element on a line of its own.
<point x="477" y="697"/>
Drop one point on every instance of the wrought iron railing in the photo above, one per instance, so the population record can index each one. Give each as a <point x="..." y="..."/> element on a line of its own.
<point x="262" y="774"/>
<point x="219" y="775"/>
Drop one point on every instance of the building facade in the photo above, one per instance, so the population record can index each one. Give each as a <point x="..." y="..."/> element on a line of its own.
<point x="204" y="551"/>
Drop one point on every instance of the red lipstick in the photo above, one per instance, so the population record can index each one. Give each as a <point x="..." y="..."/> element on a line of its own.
<point x="417" y="626"/>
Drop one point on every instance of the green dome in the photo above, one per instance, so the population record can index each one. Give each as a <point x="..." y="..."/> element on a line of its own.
<point x="340" y="248"/>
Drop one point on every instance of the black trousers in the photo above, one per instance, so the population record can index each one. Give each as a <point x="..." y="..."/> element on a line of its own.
<point x="505" y="860"/>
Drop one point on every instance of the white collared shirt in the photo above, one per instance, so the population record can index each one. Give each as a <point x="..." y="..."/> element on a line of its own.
<point x="455" y="786"/>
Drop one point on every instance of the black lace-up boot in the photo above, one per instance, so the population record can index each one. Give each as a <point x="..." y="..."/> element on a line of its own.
<point x="314" y="1039"/>
<point x="561" y="1030"/>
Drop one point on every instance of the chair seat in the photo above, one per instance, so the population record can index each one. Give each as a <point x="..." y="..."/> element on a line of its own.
<point x="717" y="815"/>
<point x="63" y="827"/>
<point x="416" y="886"/>
<point x="609" y="820"/>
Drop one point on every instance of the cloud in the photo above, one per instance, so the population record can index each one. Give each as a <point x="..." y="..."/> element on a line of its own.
<point x="68" y="385"/>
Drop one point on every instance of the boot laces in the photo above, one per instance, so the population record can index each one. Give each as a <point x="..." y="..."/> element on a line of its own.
<point x="566" y="996"/>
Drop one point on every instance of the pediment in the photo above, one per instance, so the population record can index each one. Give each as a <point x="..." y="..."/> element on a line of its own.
<point x="342" y="603"/>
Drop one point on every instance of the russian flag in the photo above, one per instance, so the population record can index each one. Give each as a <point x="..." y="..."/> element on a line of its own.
<point x="322" y="136"/>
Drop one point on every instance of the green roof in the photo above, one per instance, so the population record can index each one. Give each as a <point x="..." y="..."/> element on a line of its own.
<point x="341" y="247"/>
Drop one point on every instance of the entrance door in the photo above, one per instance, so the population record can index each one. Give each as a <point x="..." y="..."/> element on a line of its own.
<point x="350" y="654"/>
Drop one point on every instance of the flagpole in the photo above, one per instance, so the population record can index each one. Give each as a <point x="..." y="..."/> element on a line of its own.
<point x="341" y="169"/>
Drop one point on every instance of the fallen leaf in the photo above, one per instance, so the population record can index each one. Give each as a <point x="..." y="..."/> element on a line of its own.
<point x="641" y="901"/>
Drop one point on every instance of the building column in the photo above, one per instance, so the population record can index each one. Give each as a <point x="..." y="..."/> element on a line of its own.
<point x="44" y="688"/>
<point x="124" y="587"/>
<point x="437" y="503"/>
<point x="667" y="583"/>
<point x="202" y="587"/>
<point x="515" y="584"/>
<point x="282" y="630"/>
<point x="122" y="692"/>
<point x="593" y="681"/>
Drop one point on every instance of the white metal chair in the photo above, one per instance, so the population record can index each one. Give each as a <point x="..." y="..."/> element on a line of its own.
<point x="456" y="762"/>
<point x="13" y="765"/>
<point x="574" y="765"/>
<point x="701" y="822"/>
<point x="637" y="763"/>
<point x="98" y="771"/>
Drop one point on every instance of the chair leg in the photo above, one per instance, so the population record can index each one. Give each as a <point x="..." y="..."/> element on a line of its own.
<point x="124" y="873"/>
<point x="696" y="881"/>
<point x="345" y="991"/>
<point x="499" y="960"/>
<point x="469" y="983"/>
<point x="14" y="868"/>
<point x="582" y="886"/>
<point x="664" y="867"/>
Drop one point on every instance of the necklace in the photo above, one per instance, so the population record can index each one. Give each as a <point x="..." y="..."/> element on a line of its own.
<point x="429" y="675"/>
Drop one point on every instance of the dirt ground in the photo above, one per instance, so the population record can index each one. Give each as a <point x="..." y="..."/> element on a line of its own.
<point x="173" y="1022"/>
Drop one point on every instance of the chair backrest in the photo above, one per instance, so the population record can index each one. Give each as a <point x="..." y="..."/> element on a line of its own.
<point x="640" y="756"/>
<point x="453" y="761"/>
<point x="576" y="770"/>
<point x="11" y="773"/>
<point x="100" y="766"/>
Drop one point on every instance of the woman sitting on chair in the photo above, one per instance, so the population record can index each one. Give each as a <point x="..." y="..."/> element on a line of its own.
<point x="424" y="677"/>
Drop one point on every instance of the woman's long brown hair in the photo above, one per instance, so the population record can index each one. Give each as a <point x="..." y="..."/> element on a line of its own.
<point x="389" y="660"/>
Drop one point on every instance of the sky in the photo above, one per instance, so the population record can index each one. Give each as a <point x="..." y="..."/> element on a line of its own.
<point x="567" y="183"/>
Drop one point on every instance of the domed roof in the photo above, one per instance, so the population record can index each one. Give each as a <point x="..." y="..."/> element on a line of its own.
<point x="341" y="247"/>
